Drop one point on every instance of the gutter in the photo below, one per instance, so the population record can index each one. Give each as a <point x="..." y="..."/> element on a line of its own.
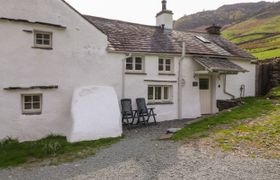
<point x="127" y="55"/>
<point x="180" y="81"/>
<point x="225" y="88"/>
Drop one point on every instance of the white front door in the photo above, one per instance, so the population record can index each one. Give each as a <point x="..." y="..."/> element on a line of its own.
<point x="205" y="94"/>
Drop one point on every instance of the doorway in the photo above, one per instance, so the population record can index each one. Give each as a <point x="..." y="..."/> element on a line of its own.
<point x="205" y="95"/>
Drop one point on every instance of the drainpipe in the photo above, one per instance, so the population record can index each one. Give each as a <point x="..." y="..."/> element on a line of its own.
<point x="180" y="81"/>
<point x="225" y="88"/>
<point x="123" y="73"/>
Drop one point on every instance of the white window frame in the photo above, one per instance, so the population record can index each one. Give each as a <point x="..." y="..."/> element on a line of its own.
<point x="32" y="110"/>
<point x="134" y="65"/>
<point x="162" y="99"/>
<point x="43" y="33"/>
<point x="164" y="65"/>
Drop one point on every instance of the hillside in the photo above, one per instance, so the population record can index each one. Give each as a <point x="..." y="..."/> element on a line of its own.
<point x="253" y="26"/>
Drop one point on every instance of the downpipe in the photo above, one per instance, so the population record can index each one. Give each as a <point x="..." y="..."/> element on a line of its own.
<point x="180" y="81"/>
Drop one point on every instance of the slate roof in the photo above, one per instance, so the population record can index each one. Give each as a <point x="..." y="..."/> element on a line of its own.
<point x="131" y="37"/>
<point x="219" y="64"/>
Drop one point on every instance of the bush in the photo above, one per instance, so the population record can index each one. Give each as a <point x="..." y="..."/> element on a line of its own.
<point x="52" y="148"/>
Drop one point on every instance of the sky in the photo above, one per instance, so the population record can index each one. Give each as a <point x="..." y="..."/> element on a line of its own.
<point x="144" y="11"/>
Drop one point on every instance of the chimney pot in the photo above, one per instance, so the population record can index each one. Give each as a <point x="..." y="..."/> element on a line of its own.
<point x="214" y="29"/>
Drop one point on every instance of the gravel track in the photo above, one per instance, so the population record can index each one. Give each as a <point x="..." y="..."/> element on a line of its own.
<point x="140" y="155"/>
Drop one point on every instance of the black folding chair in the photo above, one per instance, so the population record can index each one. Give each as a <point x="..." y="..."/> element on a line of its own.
<point x="143" y="111"/>
<point x="127" y="112"/>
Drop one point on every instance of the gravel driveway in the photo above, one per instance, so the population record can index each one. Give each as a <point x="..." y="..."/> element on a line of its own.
<point x="140" y="155"/>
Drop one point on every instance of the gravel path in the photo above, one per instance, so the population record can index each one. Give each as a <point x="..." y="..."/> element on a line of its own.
<point x="140" y="155"/>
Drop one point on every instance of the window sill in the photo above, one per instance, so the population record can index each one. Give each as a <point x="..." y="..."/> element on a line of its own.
<point x="44" y="48"/>
<point x="166" y="74"/>
<point x="160" y="103"/>
<point x="32" y="114"/>
<point x="135" y="73"/>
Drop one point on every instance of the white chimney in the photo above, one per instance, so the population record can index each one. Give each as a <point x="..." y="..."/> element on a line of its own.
<point x="165" y="17"/>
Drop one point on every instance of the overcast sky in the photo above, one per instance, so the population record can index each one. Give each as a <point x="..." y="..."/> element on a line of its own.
<point x="144" y="11"/>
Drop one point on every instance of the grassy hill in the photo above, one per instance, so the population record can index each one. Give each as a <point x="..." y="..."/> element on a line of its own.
<point x="253" y="26"/>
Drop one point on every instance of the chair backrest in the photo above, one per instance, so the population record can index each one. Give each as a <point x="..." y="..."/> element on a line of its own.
<point x="126" y="106"/>
<point x="141" y="105"/>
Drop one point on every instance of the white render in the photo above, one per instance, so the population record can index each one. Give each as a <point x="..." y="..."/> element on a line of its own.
<point x="95" y="114"/>
<point x="79" y="58"/>
<point x="165" y="19"/>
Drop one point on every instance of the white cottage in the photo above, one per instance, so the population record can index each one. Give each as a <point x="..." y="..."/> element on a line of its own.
<point x="48" y="50"/>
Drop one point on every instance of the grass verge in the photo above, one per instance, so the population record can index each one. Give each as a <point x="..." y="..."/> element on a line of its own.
<point x="252" y="108"/>
<point x="51" y="150"/>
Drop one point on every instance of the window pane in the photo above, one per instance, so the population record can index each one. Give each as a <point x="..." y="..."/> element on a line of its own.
<point x="39" y="36"/>
<point x="150" y="93"/>
<point x="38" y="41"/>
<point x="36" y="98"/>
<point x="167" y="68"/>
<point x="160" y="67"/>
<point x="158" y="93"/>
<point x="27" y="106"/>
<point x="36" y="105"/>
<point x="138" y="66"/>
<point x="46" y="36"/>
<point x="138" y="60"/>
<point x="166" y="93"/>
<point x="160" y="61"/>
<point x="46" y="42"/>
<point x="27" y="98"/>
<point x="167" y="61"/>
<point x="204" y="84"/>
<point x="129" y="65"/>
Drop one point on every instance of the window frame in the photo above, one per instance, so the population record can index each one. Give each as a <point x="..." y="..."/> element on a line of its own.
<point x="46" y="46"/>
<point x="32" y="110"/>
<point x="134" y="63"/>
<point x="162" y="94"/>
<point x="164" y="65"/>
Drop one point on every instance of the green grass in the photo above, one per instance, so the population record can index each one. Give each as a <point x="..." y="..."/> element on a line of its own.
<point x="253" y="29"/>
<point x="50" y="150"/>
<point x="267" y="54"/>
<point x="274" y="93"/>
<point x="252" y="108"/>
<point x="247" y="38"/>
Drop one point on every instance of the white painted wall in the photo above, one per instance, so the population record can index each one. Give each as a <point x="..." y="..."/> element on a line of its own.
<point x="137" y="87"/>
<point x="95" y="114"/>
<point x="78" y="58"/>
<point x="166" y="19"/>
<point x="234" y="82"/>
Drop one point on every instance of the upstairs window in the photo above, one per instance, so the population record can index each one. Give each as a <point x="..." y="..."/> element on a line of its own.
<point x="32" y="104"/>
<point x="135" y="64"/>
<point x="165" y="65"/>
<point x="42" y="39"/>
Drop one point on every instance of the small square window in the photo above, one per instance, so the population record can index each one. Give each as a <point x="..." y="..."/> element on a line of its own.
<point x="134" y="64"/>
<point x="165" y="65"/>
<point x="203" y="84"/>
<point x="32" y="104"/>
<point x="42" y="39"/>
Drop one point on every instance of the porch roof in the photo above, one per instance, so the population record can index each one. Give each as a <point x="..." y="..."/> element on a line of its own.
<point x="220" y="65"/>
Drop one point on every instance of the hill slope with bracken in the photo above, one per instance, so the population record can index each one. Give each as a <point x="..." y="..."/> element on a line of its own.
<point x="253" y="26"/>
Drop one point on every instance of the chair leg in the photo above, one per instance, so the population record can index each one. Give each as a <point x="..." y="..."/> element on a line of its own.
<point x="153" y="114"/>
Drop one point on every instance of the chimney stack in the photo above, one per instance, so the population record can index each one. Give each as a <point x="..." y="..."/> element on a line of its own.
<point x="165" y="17"/>
<point x="214" y="29"/>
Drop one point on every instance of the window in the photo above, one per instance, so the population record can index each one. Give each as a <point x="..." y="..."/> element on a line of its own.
<point x="203" y="84"/>
<point x="203" y="39"/>
<point x="165" y="65"/>
<point x="32" y="104"/>
<point x="42" y="39"/>
<point x="135" y="64"/>
<point x="159" y="93"/>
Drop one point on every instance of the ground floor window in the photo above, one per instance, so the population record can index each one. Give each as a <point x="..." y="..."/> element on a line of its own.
<point x="32" y="104"/>
<point x="159" y="93"/>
